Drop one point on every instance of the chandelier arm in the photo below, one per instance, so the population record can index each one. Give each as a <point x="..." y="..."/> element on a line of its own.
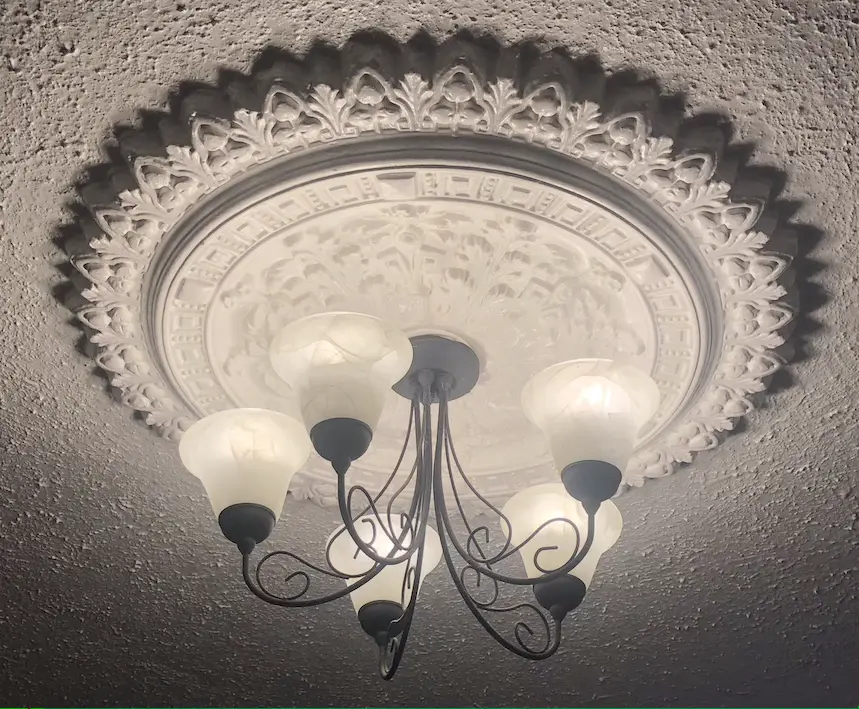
<point x="391" y="652"/>
<point x="344" y="501"/>
<point x="412" y="506"/>
<point x="496" y="587"/>
<point x="472" y="533"/>
<point x="333" y="573"/>
<point x="253" y="582"/>
<point x="481" y="566"/>
<point x="334" y="537"/>
<point x="530" y="537"/>
<point x="450" y="450"/>
<point x="396" y="469"/>
<point x="420" y="467"/>
<point x="415" y="520"/>
<point x="414" y="424"/>
<point x="552" y="630"/>
<point x="477" y="608"/>
<point x="390" y="656"/>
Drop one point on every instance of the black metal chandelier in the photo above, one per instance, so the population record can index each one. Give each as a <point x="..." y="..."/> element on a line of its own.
<point x="341" y="367"/>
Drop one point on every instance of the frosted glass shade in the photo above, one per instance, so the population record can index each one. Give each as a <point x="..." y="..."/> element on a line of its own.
<point x="528" y="509"/>
<point x="341" y="365"/>
<point x="245" y="455"/>
<point x="591" y="409"/>
<point x="387" y="585"/>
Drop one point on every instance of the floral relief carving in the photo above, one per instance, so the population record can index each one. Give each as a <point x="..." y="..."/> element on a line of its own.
<point x="453" y="102"/>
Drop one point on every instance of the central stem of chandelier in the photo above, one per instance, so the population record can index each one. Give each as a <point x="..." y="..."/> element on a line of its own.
<point x="341" y="368"/>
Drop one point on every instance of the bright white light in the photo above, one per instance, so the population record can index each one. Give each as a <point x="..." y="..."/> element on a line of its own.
<point x="599" y="394"/>
<point x="535" y="506"/>
<point x="591" y="409"/>
<point x="389" y="584"/>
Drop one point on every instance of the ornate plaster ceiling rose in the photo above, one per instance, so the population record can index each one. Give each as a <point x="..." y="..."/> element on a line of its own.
<point x="514" y="218"/>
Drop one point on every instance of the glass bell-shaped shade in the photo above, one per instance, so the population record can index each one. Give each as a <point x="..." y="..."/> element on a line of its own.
<point x="536" y="507"/>
<point x="245" y="456"/>
<point x="341" y="365"/>
<point x="591" y="409"/>
<point x="390" y="583"/>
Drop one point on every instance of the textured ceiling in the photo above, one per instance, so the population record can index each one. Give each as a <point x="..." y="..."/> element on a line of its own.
<point x="734" y="583"/>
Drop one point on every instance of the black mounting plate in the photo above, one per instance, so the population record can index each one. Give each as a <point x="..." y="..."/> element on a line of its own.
<point x="441" y="355"/>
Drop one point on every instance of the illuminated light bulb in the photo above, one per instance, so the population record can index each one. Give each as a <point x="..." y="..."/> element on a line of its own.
<point x="536" y="506"/>
<point x="341" y="365"/>
<point x="529" y="509"/>
<point x="591" y="411"/>
<point x="380" y="600"/>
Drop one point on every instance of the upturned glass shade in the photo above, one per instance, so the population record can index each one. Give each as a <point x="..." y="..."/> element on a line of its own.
<point x="341" y="365"/>
<point x="591" y="409"/>
<point x="388" y="585"/>
<point x="535" y="506"/>
<point x="245" y="456"/>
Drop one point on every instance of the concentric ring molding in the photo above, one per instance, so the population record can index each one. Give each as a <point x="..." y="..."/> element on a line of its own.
<point x="147" y="246"/>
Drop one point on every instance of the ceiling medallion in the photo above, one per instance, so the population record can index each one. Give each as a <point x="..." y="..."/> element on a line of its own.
<point x="509" y="216"/>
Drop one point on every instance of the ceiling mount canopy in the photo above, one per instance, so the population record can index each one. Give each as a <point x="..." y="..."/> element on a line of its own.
<point x="458" y="228"/>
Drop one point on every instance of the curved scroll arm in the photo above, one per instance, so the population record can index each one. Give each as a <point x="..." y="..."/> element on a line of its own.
<point x="482" y="566"/>
<point x="481" y="563"/>
<point x="521" y="648"/>
<point x="553" y="632"/>
<point x="253" y="579"/>
<point x="296" y="600"/>
<point x="391" y="652"/>
<point x="450" y="452"/>
<point x="471" y="540"/>
<point x="344" y="501"/>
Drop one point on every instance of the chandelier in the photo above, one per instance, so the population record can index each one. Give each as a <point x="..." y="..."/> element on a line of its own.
<point x="473" y="281"/>
<point x="341" y="367"/>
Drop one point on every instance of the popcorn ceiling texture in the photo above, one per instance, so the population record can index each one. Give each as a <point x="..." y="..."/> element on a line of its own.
<point x="734" y="584"/>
